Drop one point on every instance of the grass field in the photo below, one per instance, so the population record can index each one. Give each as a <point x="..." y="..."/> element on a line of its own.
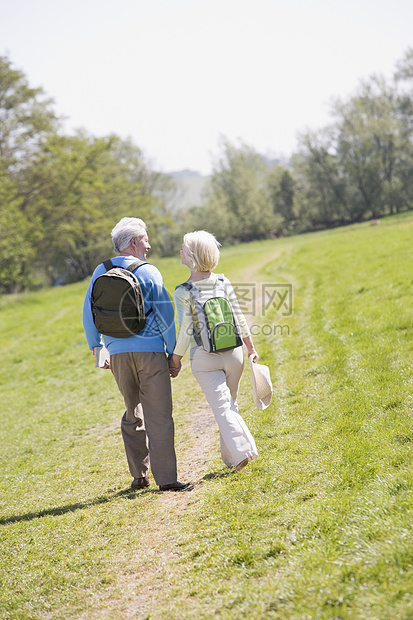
<point x="320" y="526"/>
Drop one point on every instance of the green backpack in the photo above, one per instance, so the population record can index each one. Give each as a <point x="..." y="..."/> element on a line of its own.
<point x="219" y="329"/>
<point x="117" y="303"/>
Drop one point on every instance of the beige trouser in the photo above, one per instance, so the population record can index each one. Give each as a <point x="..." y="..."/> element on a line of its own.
<point x="147" y="425"/>
<point x="219" y="375"/>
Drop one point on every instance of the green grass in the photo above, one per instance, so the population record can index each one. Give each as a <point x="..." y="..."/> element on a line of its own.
<point x="318" y="527"/>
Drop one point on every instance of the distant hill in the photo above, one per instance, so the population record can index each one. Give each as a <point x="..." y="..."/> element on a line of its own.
<point x="190" y="186"/>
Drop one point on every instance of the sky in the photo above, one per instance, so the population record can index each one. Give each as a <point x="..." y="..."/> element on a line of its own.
<point x="177" y="76"/>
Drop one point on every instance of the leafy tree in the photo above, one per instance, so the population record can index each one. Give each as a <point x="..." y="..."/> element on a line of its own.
<point x="26" y="117"/>
<point x="359" y="167"/>
<point x="77" y="188"/>
<point x="325" y="192"/>
<point x="239" y="208"/>
<point x="404" y="82"/>
<point x="63" y="193"/>
<point x="404" y="68"/>
<point x="281" y="188"/>
<point x="17" y="241"/>
<point x="369" y="145"/>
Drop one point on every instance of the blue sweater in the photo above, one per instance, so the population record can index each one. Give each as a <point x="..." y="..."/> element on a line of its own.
<point x="159" y="331"/>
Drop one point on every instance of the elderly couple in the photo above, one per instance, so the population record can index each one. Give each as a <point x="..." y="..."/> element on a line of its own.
<point x="142" y="370"/>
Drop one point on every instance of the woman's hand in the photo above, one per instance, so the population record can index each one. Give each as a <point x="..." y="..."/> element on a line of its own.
<point x="251" y="349"/>
<point x="254" y="354"/>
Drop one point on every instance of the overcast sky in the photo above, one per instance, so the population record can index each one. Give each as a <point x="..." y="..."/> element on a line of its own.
<point x="174" y="75"/>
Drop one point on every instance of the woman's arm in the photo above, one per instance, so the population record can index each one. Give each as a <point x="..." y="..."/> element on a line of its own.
<point x="251" y="349"/>
<point x="245" y="332"/>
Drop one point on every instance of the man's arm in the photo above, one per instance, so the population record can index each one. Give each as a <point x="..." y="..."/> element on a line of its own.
<point x="94" y="339"/>
<point x="163" y="310"/>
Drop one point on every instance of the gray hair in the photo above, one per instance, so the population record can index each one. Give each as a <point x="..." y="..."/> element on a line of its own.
<point x="125" y="230"/>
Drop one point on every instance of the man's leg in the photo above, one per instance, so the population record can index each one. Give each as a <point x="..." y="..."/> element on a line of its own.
<point x="132" y="426"/>
<point x="156" y="400"/>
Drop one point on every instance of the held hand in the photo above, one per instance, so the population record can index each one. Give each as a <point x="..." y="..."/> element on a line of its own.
<point x="106" y="365"/>
<point x="173" y="372"/>
<point x="174" y="366"/>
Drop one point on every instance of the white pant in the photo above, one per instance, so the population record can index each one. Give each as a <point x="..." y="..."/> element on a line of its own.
<point x="219" y="375"/>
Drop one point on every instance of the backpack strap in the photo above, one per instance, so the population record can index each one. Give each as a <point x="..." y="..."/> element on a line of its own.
<point x="132" y="268"/>
<point x="108" y="264"/>
<point x="194" y="292"/>
<point x="136" y="264"/>
<point x="186" y="285"/>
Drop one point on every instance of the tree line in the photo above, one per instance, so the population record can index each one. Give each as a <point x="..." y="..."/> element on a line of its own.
<point x="359" y="167"/>
<point x="61" y="194"/>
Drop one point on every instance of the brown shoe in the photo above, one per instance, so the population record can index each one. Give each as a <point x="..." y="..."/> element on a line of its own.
<point x="140" y="483"/>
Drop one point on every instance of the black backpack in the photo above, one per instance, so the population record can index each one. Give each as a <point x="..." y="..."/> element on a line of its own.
<point x="118" y="308"/>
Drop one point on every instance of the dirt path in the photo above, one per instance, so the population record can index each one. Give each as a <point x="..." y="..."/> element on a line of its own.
<point x="149" y="574"/>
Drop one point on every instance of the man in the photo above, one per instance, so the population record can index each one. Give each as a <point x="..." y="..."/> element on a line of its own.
<point x="140" y="366"/>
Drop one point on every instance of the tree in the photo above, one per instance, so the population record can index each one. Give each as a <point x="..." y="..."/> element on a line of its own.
<point x="375" y="147"/>
<point x="26" y="117"/>
<point x="238" y="201"/>
<point x="323" y="191"/>
<point x="77" y="188"/>
<point x="358" y="167"/>
<point x="404" y="68"/>
<point x="281" y="189"/>
<point x="404" y="82"/>
<point x="17" y="241"/>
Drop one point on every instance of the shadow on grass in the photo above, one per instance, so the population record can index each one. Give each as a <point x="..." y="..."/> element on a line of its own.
<point x="215" y="475"/>
<point x="61" y="510"/>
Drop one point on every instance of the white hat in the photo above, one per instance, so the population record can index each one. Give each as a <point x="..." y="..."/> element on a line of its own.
<point x="261" y="384"/>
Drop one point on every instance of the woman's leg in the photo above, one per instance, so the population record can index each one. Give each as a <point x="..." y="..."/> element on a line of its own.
<point x="237" y="442"/>
<point x="233" y="366"/>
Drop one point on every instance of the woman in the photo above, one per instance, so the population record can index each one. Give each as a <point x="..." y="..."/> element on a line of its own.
<point x="218" y="374"/>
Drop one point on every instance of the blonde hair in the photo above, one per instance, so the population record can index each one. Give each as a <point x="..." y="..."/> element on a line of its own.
<point x="203" y="250"/>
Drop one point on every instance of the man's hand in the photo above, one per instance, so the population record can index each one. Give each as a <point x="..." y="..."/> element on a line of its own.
<point x="175" y="365"/>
